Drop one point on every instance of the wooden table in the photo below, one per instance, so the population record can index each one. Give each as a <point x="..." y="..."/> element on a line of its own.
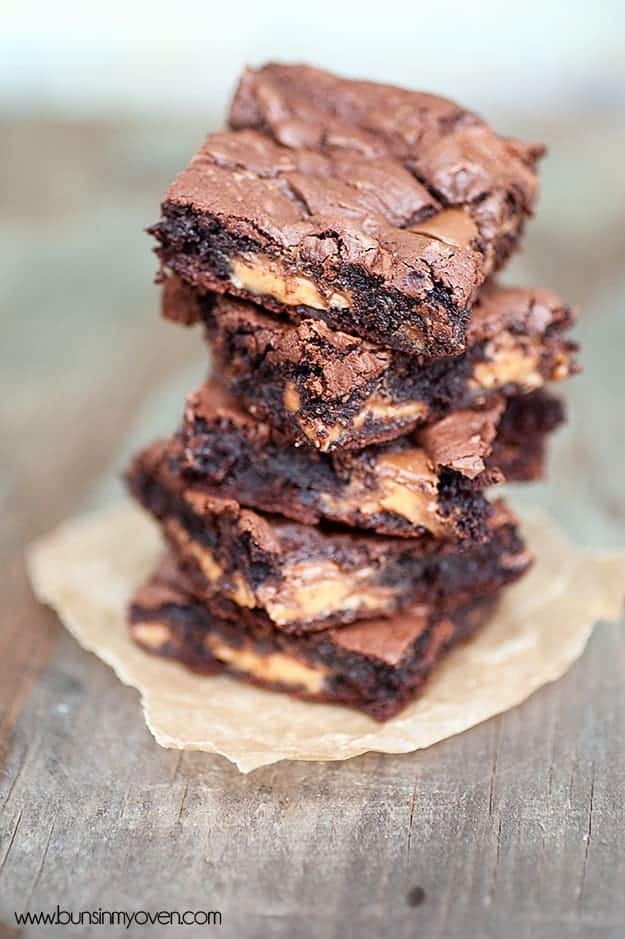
<point x="514" y="829"/>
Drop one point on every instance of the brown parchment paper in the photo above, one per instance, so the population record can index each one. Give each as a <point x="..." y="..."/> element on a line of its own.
<point x="88" y="568"/>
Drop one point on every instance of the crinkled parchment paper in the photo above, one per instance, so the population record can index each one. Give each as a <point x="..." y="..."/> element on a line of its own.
<point x="88" y="568"/>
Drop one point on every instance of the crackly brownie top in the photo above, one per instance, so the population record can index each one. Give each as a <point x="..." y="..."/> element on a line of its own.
<point x="529" y="311"/>
<point x="463" y="439"/>
<point x="410" y="186"/>
<point x="450" y="150"/>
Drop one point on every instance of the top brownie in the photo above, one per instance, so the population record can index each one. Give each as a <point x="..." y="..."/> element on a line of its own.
<point x="376" y="209"/>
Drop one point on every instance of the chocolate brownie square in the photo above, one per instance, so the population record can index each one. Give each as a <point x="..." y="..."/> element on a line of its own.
<point x="376" y="210"/>
<point x="303" y="578"/>
<point x="334" y="391"/>
<point x="429" y="482"/>
<point x="399" y="488"/>
<point x="376" y="666"/>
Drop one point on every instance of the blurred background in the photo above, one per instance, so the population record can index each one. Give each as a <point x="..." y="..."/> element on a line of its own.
<point x="100" y="105"/>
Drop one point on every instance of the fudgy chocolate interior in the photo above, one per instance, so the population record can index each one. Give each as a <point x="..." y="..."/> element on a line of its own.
<point x="300" y="482"/>
<point x="192" y="243"/>
<point x="264" y="550"/>
<point x="356" y="671"/>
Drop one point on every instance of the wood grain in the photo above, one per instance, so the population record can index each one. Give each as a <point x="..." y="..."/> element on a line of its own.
<point x="515" y="829"/>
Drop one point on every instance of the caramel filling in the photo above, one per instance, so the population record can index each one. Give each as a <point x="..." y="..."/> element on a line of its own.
<point x="271" y="668"/>
<point x="314" y="590"/>
<point x="511" y="361"/>
<point x="405" y="485"/>
<point x="239" y="590"/>
<point x="454" y="227"/>
<point x="263" y="277"/>
<point x="291" y="398"/>
<point x="376" y="408"/>
<point x="152" y="635"/>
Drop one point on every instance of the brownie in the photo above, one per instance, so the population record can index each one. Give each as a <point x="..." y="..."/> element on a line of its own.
<point x="304" y="577"/>
<point x="503" y="441"/>
<point x="518" y="450"/>
<point x="377" y="210"/>
<point x="431" y="481"/>
<point x="333" y="391"/>
<point x="373" y="666"/>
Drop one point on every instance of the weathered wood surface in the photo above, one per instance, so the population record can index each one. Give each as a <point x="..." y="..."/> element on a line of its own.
<point x="514" y="829"/>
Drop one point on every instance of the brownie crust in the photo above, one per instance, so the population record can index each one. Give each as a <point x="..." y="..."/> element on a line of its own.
<point x="367" y="666"/>
<point x="377" y="210"/>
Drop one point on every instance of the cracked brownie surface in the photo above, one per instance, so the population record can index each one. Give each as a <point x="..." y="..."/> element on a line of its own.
<point x="375" y="209"/>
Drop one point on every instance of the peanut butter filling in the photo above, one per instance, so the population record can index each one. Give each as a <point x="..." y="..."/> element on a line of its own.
<point x="405" y="484"/>
<point x="239" y="591"/>
<point x="272" y="668"/>
<point x="151" y="634"/>
<point x="291" y="398"/>
<point x="376" y="408"/>
<point x="319" y="434"/>
<point x="511" y="360"/>
<point x="415" y="334"/>
<point x="561" y="368"/>
<point x="275" y="667"/>
<point x="314" y="590"/>
<point x="409" y="487"/>
<point x="309" y="590"/>
<point x="454" y="227"/>
<point x="210" y="568"/>
<point x="263" y="277"/>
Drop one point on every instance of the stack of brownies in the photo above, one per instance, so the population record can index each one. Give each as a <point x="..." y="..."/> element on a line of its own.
<point x="324" y="499"/>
